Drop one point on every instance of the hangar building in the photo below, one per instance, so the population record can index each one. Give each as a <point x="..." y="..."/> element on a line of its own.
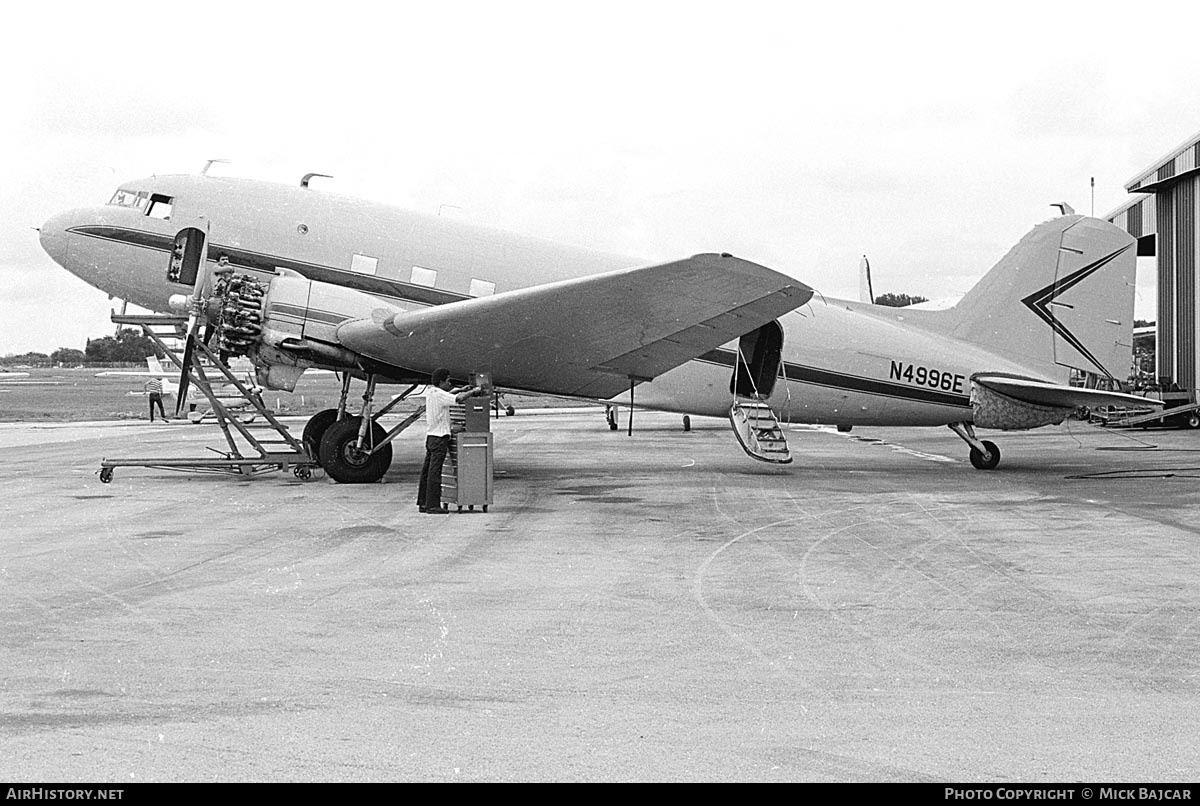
<point x="1164" y="218"/>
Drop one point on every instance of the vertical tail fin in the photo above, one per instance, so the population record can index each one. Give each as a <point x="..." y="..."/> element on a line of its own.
<point x="1062" y="297"/>
<point x="152" y="364"/>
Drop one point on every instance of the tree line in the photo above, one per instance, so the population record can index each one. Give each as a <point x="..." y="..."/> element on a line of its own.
<point x="128" y="347"/>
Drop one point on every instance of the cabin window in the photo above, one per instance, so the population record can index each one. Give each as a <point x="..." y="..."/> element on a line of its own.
<point x="425" y="277"/>
<point x="364" y="264"/>
<point x="160" y="207"/>
<point x="482" y="288"/>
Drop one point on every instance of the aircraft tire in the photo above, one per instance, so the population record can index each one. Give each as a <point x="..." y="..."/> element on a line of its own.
<point x="344" y="463"/>
<point x="990" y="461"/>
<point x="315" y="428"/>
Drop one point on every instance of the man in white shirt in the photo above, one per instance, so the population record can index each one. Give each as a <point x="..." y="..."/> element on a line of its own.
<point x="439" y="397"/>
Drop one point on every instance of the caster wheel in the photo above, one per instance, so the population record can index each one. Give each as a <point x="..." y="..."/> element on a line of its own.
<point x="106" y="475"/>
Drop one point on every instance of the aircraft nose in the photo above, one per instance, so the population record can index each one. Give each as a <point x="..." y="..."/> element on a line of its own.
<point x="53" y="235"/>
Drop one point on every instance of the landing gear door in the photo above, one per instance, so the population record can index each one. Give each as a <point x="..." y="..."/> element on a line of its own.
<point x="757" y="366"/>
<point x="187" y="257"/>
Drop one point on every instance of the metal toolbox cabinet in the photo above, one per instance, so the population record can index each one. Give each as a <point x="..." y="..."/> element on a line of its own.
<point x="467" y="474"/>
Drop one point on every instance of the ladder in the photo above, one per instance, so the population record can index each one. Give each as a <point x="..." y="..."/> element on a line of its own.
<point x="255" y="455"/>
<point x="758" y="431"/>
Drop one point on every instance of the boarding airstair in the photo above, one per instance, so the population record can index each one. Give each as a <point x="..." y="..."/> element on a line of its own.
<point x="758" y="430"/>
<point x="247" y="454"/>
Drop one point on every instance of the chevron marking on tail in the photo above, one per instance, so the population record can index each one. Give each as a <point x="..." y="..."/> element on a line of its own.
<point x="1039" y="302"/>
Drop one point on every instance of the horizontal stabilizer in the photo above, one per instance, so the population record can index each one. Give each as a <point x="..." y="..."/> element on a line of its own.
<point x="1055" y="395"/>
<point x="589" y="336"/>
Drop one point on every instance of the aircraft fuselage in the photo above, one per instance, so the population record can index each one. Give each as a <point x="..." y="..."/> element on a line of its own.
<point x="843" y="363"/>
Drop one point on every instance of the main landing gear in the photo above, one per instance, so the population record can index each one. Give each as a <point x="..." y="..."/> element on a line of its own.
<point x="355" y="449"/>
<point x="984" y="454"/>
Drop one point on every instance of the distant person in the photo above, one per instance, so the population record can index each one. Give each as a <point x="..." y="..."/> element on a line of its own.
<point x="439" y="397"/>
<point x="155" y="391"/>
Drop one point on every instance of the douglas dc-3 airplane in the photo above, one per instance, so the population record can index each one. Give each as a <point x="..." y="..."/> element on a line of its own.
<point x="315" y="280"/>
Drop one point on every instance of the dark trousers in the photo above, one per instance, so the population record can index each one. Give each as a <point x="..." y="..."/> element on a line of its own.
<point x="429" y="494"/>
<point x="156" y="400"/>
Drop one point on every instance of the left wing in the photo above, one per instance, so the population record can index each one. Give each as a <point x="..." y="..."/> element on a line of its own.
<point x="587" y="337"/>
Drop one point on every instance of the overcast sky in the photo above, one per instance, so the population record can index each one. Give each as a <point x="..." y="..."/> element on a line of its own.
<point x="929" y="137"/>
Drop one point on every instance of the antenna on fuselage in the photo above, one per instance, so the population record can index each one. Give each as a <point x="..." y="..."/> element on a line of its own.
<point x="208" y="165"/>
<point x="305" y="179"/>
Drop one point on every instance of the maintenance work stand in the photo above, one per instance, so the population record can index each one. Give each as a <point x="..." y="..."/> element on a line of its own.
<point x="246" y="453"/>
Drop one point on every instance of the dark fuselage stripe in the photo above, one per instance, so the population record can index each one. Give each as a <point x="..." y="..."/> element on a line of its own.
<point x="849" y="383"/>
<point x="257" y="261"/>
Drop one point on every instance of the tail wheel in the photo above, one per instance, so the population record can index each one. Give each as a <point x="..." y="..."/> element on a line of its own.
<point x="986" y="461"/>
<point x="345" y="462"/>
<point x="315" y="428"/>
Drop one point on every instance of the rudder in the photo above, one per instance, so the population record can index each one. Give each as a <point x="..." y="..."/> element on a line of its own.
<point x="1061" y="298"/>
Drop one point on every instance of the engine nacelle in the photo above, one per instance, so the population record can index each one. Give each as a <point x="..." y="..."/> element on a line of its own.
<point x="995" y="410"/>
<point x="287" y="324"/>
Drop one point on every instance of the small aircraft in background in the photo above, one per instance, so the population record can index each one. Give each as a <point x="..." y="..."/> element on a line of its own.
<point x="295" y="279"/>
<point x="229" y="396"/>
<point x="154" y="369"/>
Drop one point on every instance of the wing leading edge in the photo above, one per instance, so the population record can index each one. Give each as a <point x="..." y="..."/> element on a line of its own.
<point x="589" y="336"/>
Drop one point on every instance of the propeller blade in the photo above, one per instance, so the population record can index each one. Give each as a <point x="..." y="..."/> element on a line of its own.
<point x="185" y="376"/>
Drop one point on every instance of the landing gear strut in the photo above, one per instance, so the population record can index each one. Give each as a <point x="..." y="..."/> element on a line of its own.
<point x="355" y="449"/>
<point x="984" y="454"/>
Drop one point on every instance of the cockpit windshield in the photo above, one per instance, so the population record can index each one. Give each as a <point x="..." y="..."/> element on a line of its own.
<point x="154" y="205"/>
<point x="130" y="198"/>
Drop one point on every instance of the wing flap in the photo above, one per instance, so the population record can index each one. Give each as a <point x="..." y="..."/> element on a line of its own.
<point x="587" y="336"/>
<point x="671" y="351"/>
<point x="1054" y="395"/>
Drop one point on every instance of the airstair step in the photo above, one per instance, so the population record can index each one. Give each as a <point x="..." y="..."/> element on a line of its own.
<point x="758" y="431"/>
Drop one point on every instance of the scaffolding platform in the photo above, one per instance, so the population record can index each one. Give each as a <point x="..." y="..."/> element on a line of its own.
<point x="245" y="454"/>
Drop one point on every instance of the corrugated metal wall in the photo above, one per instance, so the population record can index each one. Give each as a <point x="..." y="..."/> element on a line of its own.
<point x="1183" y="198"/>
<point x="1185" y="264"/>
<point x="1165" y="351"/>
<point x="1169" y="211"/>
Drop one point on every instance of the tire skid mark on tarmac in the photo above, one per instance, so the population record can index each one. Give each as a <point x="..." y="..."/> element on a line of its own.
<point x="809" y="519"/>
<point x="1131" y="637"/>
<point x="948" y="531"/>
<point x="698" y="589"/>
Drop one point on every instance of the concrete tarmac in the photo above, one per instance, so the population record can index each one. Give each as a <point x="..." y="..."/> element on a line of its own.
<point x="650" y="608"/>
